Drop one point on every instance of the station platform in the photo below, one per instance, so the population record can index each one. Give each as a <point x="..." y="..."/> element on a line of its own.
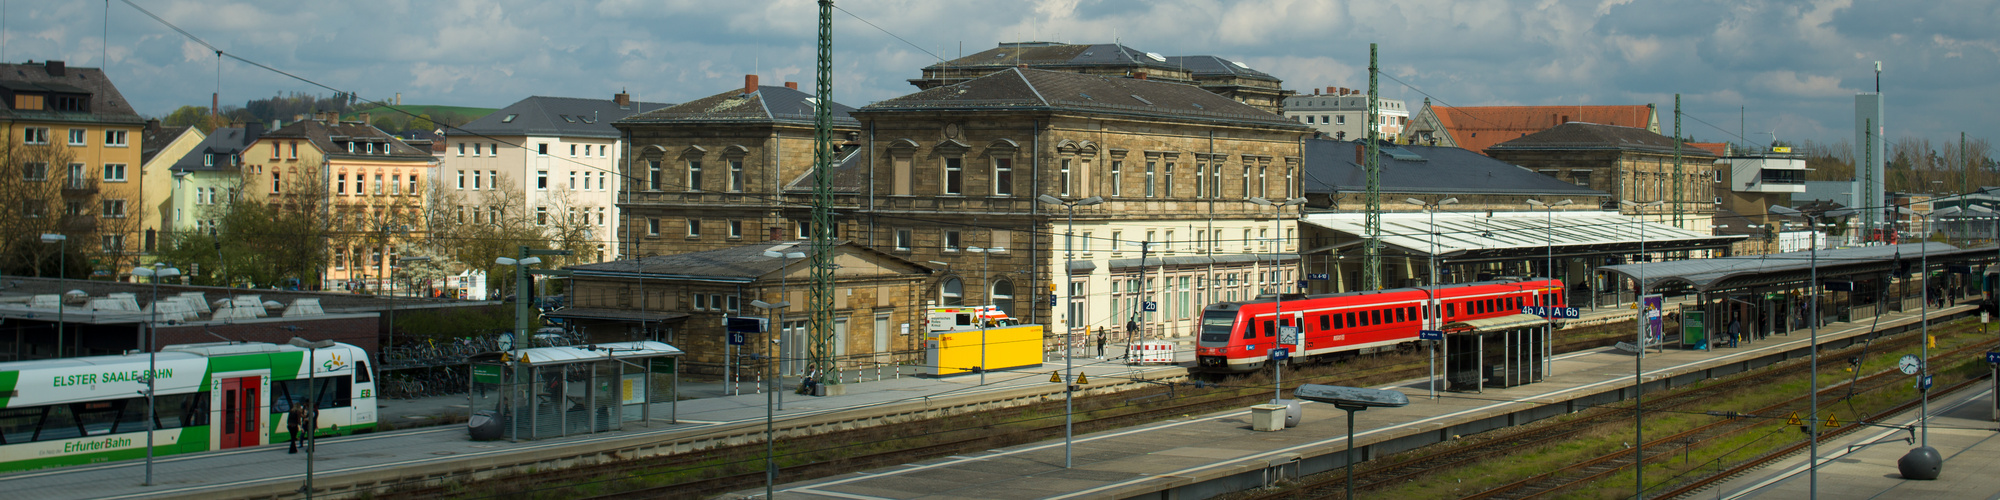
<point x="1206" y="455"/>
<point x="1963" y="431"/>
<point x="385" y="457"/>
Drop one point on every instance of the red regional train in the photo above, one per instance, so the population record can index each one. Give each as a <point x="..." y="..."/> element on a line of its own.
<point x="1238" y="336"/>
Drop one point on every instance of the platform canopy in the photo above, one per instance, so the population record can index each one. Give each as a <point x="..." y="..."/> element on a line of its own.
<point x="1463" y="236"/>
<point x="1794" y="267"/>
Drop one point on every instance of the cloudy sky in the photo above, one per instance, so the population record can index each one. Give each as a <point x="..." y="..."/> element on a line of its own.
<point x="1795" y="65"/>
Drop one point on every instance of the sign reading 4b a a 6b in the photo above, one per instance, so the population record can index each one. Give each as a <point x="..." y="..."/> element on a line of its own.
<point x="1553" y="312"/>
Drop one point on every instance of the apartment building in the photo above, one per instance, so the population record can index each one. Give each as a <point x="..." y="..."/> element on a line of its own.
<point x="369" y="183"/>
<point x="75" y="142"/>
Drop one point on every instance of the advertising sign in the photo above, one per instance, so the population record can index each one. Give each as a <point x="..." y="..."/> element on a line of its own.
<point x="1652" y="318"/>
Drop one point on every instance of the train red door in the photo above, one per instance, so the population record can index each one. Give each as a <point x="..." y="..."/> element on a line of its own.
<point x="240" y="410"/>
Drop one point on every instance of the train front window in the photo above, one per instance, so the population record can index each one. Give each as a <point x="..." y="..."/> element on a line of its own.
<point x="1215" y="325"/>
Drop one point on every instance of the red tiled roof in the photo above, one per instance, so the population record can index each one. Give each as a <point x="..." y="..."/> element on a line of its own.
<point x="1719" y="148"/>
<point x="1480" y="127"/>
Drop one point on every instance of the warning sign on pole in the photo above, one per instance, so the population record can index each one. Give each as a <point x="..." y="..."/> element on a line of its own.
<point x="1794" y="420"/>
<point x="1832" y="421"/>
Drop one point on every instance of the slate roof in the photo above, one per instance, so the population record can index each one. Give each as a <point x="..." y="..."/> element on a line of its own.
<point x="152" y="139"/>
<point x="769" y="104"/>
<point x="555" y="117"/>
<point x="1329" y="167"/>
<point x="221" y="142"/>
<point x="1215" y="66"/>
<point x="1055" y="55"/>
<point x="106" y="104"/>
<point x="328" y="136"/>
<point x="1592" y="136"/>
<point x="1020" y="89"/>
<point x="850" y="174"/>
<point x="1477" y="128"/>
<point x="738" y="264"/>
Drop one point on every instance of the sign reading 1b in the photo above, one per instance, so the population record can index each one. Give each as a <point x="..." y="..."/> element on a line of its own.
<point x="1553" y="312"/>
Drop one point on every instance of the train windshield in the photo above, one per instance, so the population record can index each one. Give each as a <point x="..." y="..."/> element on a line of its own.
<point x="1216" y="325"/>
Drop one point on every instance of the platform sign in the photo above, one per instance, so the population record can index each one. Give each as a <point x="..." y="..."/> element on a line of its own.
<point x="1302" y="285"/>
<point x="1280" y="354"/>
<point x="1553" y="312"/>
<point x="1317" y="276"/>
<point x="1288" y="335"/>
<point x="1924" y="384"/>
<point x="1430" y="335"/>
<point x="744" y="325"/>
<point x="738" y="338"/>
<point x="1149" y="306"/>
<point x="1993" y="357"/>
<point x="486" y="373"/>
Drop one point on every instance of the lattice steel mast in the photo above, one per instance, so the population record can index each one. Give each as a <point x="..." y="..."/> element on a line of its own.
<point x="820" y="344"/>
<point x="1371" y="262"/>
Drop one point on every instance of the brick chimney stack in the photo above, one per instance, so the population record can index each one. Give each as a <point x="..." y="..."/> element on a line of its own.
<point x="55" y="67"/>
<point x="623" y="99"/>
<point x="749" y="84"/>
<point x="1139" y="75"/>
<point x="792" y="85"/>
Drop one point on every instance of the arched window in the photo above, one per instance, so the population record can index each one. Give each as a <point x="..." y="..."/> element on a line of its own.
<point x="951" y="292"/>
<point x="1003" y="296"/>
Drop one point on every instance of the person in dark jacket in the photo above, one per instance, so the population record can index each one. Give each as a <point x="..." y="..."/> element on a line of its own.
<point x="295" y="424"/>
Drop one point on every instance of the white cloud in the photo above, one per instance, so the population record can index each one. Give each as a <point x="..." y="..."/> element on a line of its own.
<point x="1791" y="82"/>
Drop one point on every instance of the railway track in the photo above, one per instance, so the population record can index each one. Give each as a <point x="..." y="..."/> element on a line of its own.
<point x="1495" y="446"/>
<point x="720" y="470"/>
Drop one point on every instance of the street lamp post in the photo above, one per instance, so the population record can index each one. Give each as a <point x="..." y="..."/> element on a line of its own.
<point x="1924" y="313"/>
<point x="1278" y="229"/>
<point x="981" y="315"/>
<point x="1812" y="418"/>
<point x="1433" y="317"/>
<point x="771" y="394"/>
<point x="62" y="276"/>
<point x="1549" y="328"/>
<point x="522" y="319"/>
<point x="1069" y="328"/>
<point x="784" y="285"/>
<point x="157" y="272"/>
<point x="1639" y="361"/>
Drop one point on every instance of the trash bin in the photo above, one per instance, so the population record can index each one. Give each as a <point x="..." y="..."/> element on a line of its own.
<point x="1293" y="412"/>
<point x="484" y="426"/>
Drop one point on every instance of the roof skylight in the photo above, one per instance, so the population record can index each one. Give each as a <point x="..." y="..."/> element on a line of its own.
<point x="508" y="119"/>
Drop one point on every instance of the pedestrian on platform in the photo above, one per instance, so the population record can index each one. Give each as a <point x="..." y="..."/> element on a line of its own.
<point x="1100" y="345"/>
<point x="1735" y="330"/>
<point x="293" y="420"/>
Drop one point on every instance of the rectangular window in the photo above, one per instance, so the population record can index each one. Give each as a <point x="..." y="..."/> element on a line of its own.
<point x="35" y="135"/>
<point x="1340" y="119"/>
<point x="1167" y="181"/>
<point x="572" y="150"/>
<point x="1152" y="177"/>
<point x="36" y="171"/>
<point x="694" y="228"/>
<point x="114" y="208"/>
<point x="476" y="185"/>
<point x="542" y="149"/>
<point x="461" y="149"/>
<point x="1063" y="180"/>
<point x="340" y="187"/>
<point x="900" y="182"/>
<point x="277" y="184"/>
<point x="461" y="178"/>
<point x="1246" y="182"/>
<point x="541" y="179"/>
<point x="694" y="175"/>
<point x="114" y="172"/>
<point x="1215" y="181"/>
<point x="1263" y="184"/>
<point x="700" y="302"/>
<point x="736" y="175"/>
<point x="951" y="241"/>
<point x="378" y="184"/>
<point x="396" y="185"/>
<point x="652" y="227"/>
<point x="735" y="229"/>
<point x="295" y="150"/>
<point x="1200" y="179"/>
<point x="413" y="184"/>
<point x="491" y="149"/>
<point x="653" y="178"/>
<point x="1117" y="177"/>
<point x="903" y="238"/>
<point x="77" y="137"/>
<point x="572" y="179"/>
<point x="954" y="176"/>
<point x="1003" y="176"/>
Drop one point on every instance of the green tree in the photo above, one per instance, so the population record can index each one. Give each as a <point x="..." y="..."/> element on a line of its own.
<point x="423" y="123"/>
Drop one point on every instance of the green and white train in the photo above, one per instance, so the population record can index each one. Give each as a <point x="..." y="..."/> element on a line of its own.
<point x="59" y="412"/>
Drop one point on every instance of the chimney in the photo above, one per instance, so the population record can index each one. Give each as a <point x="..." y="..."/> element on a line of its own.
<point x="55" y="67"/>
<point x="152" y="125"/>
<point x="1139" y="74"/>
<point x="777" y="233"/>
<point x="252" y="131"/>
<point x="1360" y="153"/>
<point x="214" y="104"/>
<point x="792" y="85"/>
<point x="364" y="119"/>
<point x="1329" y="90"/>
<point x="749" y="84"/>
<point x="623" y="99"/>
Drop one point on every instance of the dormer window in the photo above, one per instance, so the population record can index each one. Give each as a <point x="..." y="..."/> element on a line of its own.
<point x="371" y="148"/>
<point x="208" y="160"/>
<point x="350" y="147"/>
<point x="508" y="119"/>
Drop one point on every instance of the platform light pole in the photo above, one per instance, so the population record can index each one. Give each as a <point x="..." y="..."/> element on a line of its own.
<point x="770" y="397"/>
<point x="157" y="272"/>
<point x="980" y="317"/>
<point x="1278" y="237"/>
<point x="1433" y="314"/>
<point x="62" y="276"/>
<point x="1812" y="419"/>
<point x="1924" y="318"/>
<point x="1549" y="326"/>
<point x="1069" y="327"/>
<point x="1639" y="361"/>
